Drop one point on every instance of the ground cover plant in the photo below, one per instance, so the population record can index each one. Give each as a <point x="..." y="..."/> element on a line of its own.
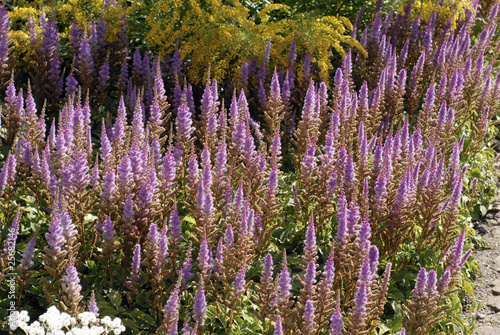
<point x="274" y="204"/>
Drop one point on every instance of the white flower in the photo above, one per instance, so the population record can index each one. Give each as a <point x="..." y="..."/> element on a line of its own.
<point x="98" y="330"/>
<point x="87" y="318"/>
<point x="35" y="329"/>
<point x="52" y="322"/>
<point x="55" y="320"/>
<point x="106" y="321"/>
<point x="18" y="319"/>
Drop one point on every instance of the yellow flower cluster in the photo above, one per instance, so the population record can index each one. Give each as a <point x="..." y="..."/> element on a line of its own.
<point x="221" y="33"/>
<point x="449" y="9"/>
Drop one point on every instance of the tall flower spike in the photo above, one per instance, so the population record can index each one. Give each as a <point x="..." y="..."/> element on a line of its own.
<point x="174" y="228"/>
<point x="171" y="312"/>
<point x="55" y="237"/>
<point x="204" y="261"/>
<point x="125" y="174"/>
<point x="267" y="272"/>
<point x="186" y="268"/>
<point x="109" y="186"/>
<point x="359" y="310"/>
<point x="93" y="305"/>
<point x="310" y="247"/>
<point x="219" y="258"/>
<point x="229" y="236"/>
<point x="29" y="252"/>
<point x="183" y="122"/>
<point x="309" y="282"/>
<point x="278" y="328"/>
<point x="71" y="285"/>
<point x="136" y="261"/>
<point x="239" y="281"/>
<point x="284" y="285"/>
<point x="108" y="232"/>
<point x="200" y="305"/>
<point x="308" y="324"/>
<point x="341" y="235"/>
<point x="336" y="327"/>
<point x="4" y="174"/>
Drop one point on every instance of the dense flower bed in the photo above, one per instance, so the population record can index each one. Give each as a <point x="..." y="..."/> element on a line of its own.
<point x="283" y="206"/>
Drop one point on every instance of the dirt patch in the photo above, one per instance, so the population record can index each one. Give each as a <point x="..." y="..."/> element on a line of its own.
<point x="487" y="286"/>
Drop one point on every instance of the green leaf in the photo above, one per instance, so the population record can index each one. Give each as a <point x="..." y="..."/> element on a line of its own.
<point x="115" y="297"/>
<point x="130" y="324"/>
<point x="145" y="319"/>
<point x="189" y="219"/>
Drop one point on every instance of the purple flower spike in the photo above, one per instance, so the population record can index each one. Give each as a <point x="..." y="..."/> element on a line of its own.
<point x="4" y="175"/>
<point x="403" y="331"/>
<point x="186" y="269"/>
<point x="431" y="282"/>
<point x="310" y="280"/>
<point x="336" y="327"/>
<point x="328" y="272"/>
<point x="183" y="122"/>
<point x="75" y="175"/>
<point x="278" y="328"/>
<point x="359" y="309"/>
<point x="219" y="259"/>
<point x="373" y="255"/>
<point x="284" y="284"/>
<point x="272" y="181"/>
<point x="239" y="281"/>
<point x="93" y="305"/>
<point x="306" y="67"/>
<point x="456" y="255"/>
<point x="204" y="261"/>
<point x="175" y="225"/>
<point x="171" y="311"/>
<point x="109" y="186"/>
<point x="108" y="233"/>
<point x="309" y="326"/>
<point x="71" y="282"/>
<point x="125" y="174"/>
<point x="267" y="273"/>
<point x="153" y="234"/>
<point x="186" y="328"/>
<point x="363" y="238"/>
<point x="352" y="218"/>
<point x="420" y="286"/>
<point x="55" y="237"/>
<point x="200" y="305"/>
<point x="29" y="252"/>
<point x="104" y="75"/>
<point x="136" y="260"/>
<point x="275" y="86"/>
<point x="442" y="285"/>
<point x="310" y="248"/>
<point x="229" y="236"/>
<point x="163" y="247"/>
<point x="340" y="237"/>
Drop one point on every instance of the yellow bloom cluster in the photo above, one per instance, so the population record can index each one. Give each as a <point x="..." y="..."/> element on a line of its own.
<point x="221" y="33"/>
<point x="449" y="9"/>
